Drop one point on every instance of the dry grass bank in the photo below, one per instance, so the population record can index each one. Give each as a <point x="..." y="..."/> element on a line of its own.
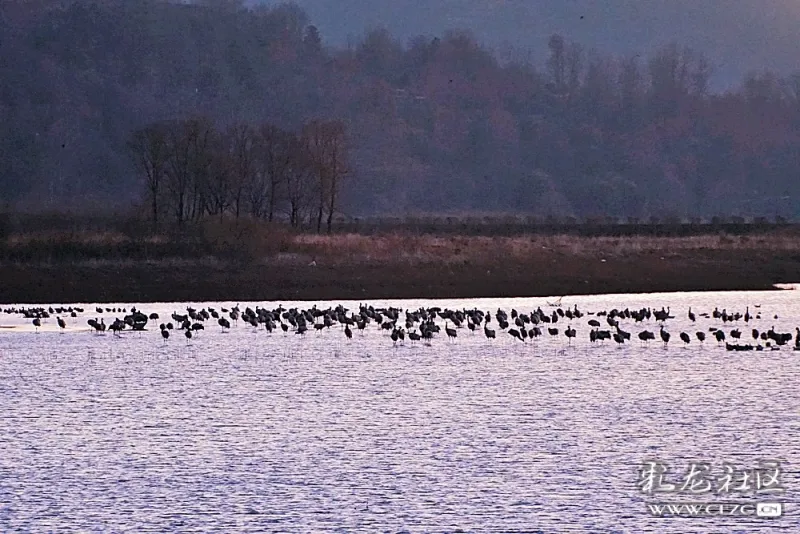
<point x="272" y="263"/>
<point x="355" y="248"/>
<point x="265" y="244"/>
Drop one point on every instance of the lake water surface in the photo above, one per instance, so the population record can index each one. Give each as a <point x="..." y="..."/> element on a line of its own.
<point x="250" y="432"/>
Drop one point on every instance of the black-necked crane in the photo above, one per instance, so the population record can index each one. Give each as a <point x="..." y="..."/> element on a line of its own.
<point x="116" y="327"/>
<point x="664" y="336"/>
<point x="451" y="332"/>
<point x="646" y="336"/>
<point x="701" y="336"/>
<point x="570" y="333"/>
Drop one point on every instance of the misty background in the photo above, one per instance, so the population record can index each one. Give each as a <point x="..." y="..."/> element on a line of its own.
<point x="738" y="36"/>
<point x="631" y="108"/>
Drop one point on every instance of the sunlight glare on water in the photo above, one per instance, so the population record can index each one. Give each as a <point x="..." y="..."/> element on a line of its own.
<point x="247" y="431"/>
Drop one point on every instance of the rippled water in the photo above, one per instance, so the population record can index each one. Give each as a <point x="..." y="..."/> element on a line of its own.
<point x="247" y="432"/>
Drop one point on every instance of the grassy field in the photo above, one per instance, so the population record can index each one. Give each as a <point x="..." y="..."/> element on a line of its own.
<point x="248" y="261"/>
<point x="264" y="243"/>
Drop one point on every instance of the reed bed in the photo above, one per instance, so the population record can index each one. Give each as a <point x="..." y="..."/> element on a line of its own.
<point x="262" y="243"/>
<point x="480" y="249"/>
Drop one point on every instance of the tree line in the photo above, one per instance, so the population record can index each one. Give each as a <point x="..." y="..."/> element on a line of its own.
<point x="190" y="170"/>
<point x="438" y="124"/>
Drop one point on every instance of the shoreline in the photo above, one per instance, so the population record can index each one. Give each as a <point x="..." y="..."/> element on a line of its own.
<point x="547" y="274"/>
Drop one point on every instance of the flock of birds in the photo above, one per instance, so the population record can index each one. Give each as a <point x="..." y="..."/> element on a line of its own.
<point x="421" y="324"/>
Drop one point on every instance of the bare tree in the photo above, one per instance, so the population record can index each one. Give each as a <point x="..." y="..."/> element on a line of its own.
<point x="256" y="190"/>
<point x="313" y="140"/>
<point x="218" y="190"/>
<point x="150" y="148"/>
<point x="189" y="166"/>
<point x="179" y="175"/>
<point x="327" y="153"/>
<point x="239" y="148"/>
<point x="201" y="135"/>
<point x="275" y="161"/>
<point x="337" y="165"/>
<point x="299" y="180"/>
<point x="204" y="172"/>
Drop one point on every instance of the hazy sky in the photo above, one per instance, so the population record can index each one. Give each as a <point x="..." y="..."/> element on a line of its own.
<point x="736" y="35"/>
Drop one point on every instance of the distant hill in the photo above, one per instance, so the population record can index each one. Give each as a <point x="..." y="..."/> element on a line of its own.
<point x="435" y="124"/>
<point x="736" y="35"/>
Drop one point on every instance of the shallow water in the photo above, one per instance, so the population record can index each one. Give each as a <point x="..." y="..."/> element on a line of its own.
<point x="247" y="432"/>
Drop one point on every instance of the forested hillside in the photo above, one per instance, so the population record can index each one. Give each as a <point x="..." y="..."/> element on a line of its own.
<point x="438" y="124"/>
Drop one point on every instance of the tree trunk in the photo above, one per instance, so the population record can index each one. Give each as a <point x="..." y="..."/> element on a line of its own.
<point x="238" y="202"/>
<point x="180" y="209"/>
<point x="272" y="203"/>
<point x="331" y="206"/>
<point x="155" y="212"/>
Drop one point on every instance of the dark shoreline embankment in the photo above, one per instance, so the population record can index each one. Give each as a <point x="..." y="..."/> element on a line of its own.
<point x="546" y="274"/>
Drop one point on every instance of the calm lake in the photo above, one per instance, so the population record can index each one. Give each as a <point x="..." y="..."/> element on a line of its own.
<point x="246" y="431"/>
